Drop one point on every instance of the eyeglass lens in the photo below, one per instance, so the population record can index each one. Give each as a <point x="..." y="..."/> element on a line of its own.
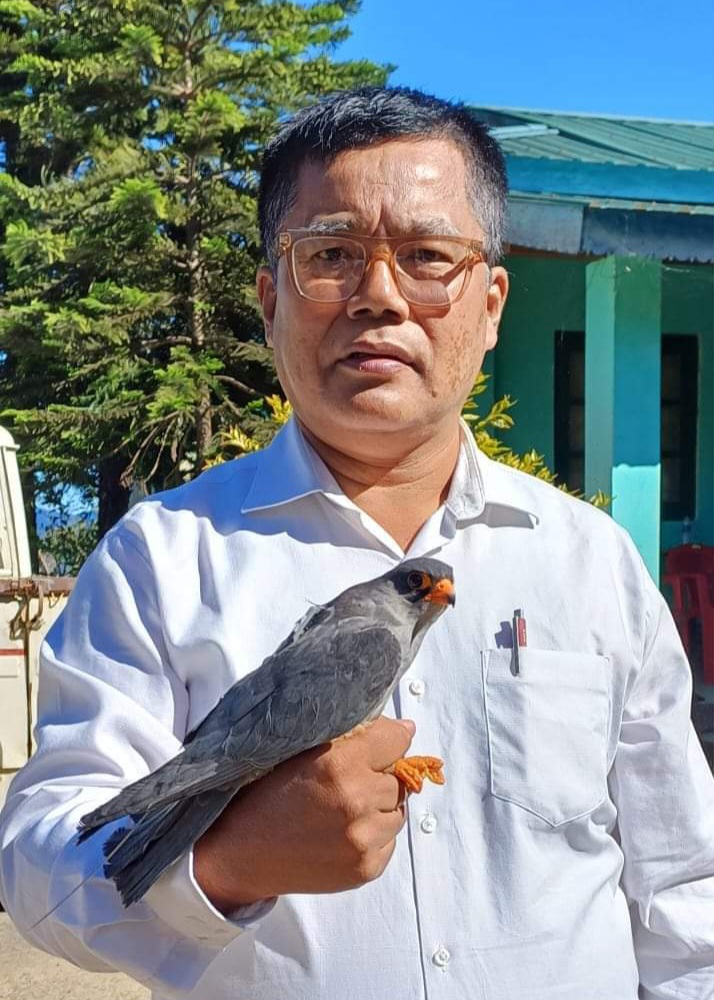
<point x="429" y="270"/>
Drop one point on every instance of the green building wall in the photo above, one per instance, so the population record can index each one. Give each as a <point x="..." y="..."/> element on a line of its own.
<point x="548" y="294"/>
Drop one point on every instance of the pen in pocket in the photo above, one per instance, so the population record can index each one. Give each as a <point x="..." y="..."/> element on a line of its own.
<point x="520" y="637"/>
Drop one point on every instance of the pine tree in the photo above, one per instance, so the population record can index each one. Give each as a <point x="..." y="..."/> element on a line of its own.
<point x="129" y="334"/>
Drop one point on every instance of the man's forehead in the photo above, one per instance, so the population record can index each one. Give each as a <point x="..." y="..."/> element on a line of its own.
<point x="420" y="185"/>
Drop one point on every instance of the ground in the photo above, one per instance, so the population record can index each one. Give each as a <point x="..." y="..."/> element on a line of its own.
<point x="30" y="973"/>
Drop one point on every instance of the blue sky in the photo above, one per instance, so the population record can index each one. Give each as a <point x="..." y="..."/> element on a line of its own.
<point x="624" y="57"/>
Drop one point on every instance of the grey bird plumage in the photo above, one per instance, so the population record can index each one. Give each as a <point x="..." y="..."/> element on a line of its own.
<point x="336" y="669"/>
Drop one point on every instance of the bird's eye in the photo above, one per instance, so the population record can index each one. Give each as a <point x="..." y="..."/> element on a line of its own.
<point x="416" y="581"/>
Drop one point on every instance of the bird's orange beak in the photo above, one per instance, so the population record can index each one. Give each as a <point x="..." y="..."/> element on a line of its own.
<point x="442" y="592"/>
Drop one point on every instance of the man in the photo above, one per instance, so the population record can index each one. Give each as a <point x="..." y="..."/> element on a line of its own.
<point x="570" y="853"/>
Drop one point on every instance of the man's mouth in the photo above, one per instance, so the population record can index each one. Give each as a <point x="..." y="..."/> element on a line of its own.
<point x="381" y="360"/>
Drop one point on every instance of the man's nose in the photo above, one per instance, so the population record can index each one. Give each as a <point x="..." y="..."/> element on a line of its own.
<point x="378" y="292"/>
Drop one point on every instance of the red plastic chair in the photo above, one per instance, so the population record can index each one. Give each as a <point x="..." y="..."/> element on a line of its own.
<point x="689" y="571"/>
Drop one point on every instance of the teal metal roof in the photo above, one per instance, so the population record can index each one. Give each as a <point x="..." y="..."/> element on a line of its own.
<point x="622" y="204"/>
<point x="598" y="185"/>
<point x="601" y="139"/>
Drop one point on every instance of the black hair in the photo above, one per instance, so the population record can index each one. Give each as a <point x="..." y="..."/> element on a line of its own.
<point x="353" y="119"/>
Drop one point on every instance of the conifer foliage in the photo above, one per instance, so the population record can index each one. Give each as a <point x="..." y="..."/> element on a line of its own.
<point x="131" y="131"/>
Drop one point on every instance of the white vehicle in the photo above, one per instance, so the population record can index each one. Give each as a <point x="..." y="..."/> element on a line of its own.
<point x="28" y="606"/>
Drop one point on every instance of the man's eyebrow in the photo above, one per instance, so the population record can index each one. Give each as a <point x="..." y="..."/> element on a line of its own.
<point x="432" y="225"/>
<point x="331" y="226"/>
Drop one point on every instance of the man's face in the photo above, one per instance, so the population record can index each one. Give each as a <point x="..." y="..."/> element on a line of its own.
<point x="398" y="188"/>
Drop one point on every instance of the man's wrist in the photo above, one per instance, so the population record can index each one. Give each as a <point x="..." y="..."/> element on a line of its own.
<point x="226" y="893"/>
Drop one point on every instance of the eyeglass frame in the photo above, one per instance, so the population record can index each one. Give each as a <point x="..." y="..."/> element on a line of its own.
<point x="474" y="256"/>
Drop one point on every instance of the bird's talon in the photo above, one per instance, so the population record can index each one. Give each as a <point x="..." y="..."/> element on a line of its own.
<point x="411" y="771"/>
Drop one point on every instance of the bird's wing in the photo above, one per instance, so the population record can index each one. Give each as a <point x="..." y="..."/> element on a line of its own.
<point x="323" y="686"/>
<point x="316" y="614"/>
<point x="333" y="682"/>
<point x="251" y="690"/>
<point x="315" y="690"/>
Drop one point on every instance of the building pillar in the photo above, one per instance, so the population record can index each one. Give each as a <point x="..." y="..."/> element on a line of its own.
<point x="622" y="394"/>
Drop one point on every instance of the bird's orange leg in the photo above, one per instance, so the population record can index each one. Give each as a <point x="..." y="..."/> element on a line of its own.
<point x="411" y="771"/>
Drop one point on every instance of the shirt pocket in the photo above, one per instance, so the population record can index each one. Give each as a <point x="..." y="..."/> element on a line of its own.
<point x="547" y="730"/>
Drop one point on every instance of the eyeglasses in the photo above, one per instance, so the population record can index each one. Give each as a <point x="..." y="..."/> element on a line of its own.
<point x="428" y="270"/>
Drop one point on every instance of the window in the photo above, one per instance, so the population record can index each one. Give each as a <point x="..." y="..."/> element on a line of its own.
<point x="680" y="364"/>
<point x="569" y="415"/>
<point x="678" y="418"/>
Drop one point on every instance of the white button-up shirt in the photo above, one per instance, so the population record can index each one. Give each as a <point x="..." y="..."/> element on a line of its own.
<point x="568" y="856"/>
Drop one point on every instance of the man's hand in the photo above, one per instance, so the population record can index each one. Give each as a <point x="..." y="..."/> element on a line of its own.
<point x="324" y="821"/>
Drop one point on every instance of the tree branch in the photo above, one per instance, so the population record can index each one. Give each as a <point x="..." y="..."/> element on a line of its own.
<point x="238" y="385"/>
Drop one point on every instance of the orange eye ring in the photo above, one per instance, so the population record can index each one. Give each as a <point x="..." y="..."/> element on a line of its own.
<point x="418" y="581"/>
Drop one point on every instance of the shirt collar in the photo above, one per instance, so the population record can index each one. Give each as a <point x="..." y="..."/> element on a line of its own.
<point x="290" y="469"/>
<point x="287" y="470"/>
<point x="480" y="482"/>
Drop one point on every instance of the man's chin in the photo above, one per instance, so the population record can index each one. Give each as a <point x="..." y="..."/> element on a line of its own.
<point x="378" y="413"/>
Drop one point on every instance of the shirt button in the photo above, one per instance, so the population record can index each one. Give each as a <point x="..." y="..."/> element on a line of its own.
<point x="441" y="957"/>
<point x="417" y="688"/>
<point x="428" y="824"/>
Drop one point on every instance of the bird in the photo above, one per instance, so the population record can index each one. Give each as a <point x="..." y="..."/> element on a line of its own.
<point x="334" y="672"/>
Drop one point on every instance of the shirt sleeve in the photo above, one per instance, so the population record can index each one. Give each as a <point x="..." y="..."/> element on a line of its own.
<point x="110" y="710"/>
<point x="664" y="793"/>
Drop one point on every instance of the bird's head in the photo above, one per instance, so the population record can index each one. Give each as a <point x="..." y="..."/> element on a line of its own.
<point x="427" y="584"/>
<point x="413" y="594"/>
<point x="427" y="588"/>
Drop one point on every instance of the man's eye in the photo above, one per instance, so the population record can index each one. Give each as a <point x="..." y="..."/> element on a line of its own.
<point x="426" y="255"/>
<point x="332" y="255"/>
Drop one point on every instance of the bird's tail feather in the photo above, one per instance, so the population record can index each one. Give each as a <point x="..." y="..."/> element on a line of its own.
<point x="157" y="840"/>
<point x="135" y="799"/>
<point x="128" y="844"/>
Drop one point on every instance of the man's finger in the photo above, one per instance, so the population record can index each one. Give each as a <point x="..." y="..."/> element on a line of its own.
<point x="380" y="829"/>
<point x="387" y="849"/>
<point x="385" y="741"/>
<point x="395" y="820"/>
<point x="388" y="792"/>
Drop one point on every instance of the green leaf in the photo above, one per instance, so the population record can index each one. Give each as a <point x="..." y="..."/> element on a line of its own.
<point x="19" y="9"/>
<point x="140" y="196"/>
<point x="25" y="245"/>
<point x="140" y="43"/>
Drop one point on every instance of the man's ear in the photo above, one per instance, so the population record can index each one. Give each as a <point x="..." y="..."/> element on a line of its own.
<point x="267" y="296"/>
<point x="495" y="301"/>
